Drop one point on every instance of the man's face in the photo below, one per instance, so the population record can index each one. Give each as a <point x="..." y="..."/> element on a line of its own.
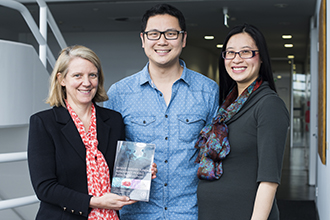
<point x="163" y="53"/>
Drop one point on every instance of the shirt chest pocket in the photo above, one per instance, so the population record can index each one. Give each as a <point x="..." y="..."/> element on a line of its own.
<point x="140" y="128"/>
<point x="189" y="126"/>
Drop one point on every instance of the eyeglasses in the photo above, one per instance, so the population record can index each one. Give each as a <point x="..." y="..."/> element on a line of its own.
<point x="169" y="35"/>
<point x="244" y="54"/>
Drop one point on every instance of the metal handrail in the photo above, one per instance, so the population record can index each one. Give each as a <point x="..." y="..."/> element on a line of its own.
<point x="22" y="201"/>
<point x="47" y="17"/>
<point x="13" y="157"/>
<point x="44" y="50"/>
<point x="53" y="26"/>
<point x="44" y="55"/>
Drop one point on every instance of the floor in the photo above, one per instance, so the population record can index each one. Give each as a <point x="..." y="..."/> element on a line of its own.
<point x="294" y="183"/>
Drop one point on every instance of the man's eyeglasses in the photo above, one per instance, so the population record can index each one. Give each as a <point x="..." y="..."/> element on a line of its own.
<point x="169" y="35"/>
<point x="244" y="54"/>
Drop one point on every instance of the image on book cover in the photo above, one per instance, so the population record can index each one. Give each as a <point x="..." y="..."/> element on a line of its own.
<point x="132" y="171"/>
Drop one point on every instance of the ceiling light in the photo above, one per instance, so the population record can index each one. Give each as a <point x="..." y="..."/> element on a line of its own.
<point x="208" y="37"/>
<point x="286" y="36"/>
<point x="288" y="45"/>
<point x="219" y="45"/>
<point x="279" y="77"/>
<point x="290" y="56"/>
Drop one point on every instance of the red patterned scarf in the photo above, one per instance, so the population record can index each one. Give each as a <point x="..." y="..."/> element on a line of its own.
<point x="96" y="166"/>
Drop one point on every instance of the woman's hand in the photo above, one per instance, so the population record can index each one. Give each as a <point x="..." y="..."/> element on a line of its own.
<point x="110" y="201"/>
<point x="154" y="171"/>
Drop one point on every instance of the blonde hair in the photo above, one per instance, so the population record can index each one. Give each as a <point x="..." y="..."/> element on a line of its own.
<point x="57" y="93"/>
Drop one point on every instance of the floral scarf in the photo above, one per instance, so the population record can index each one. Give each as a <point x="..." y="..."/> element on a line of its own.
<point x="213" y="140"/>
<point x="96" y="166"/>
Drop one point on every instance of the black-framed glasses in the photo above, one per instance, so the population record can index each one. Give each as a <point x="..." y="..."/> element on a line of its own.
<point x="169" y="35"/>
<point x="244" y="54"/>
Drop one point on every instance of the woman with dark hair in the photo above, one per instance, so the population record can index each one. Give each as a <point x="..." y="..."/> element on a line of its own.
<point x="241" y="152"/>
<point x="266" y="73"/>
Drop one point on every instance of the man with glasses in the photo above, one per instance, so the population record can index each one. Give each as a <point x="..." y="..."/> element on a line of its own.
<point x="166" y="104"/>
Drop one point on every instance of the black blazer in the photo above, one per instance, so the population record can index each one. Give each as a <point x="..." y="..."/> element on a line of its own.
<point x="57" y="160"/>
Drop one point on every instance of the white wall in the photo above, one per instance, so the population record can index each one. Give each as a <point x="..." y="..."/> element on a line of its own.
<point x="323" y="171"/>
<point x="202" y="61"/>
<point x="24" y="87"/>
<point x="313" y="105"/>
<point x="121" y="53"/>
<point x="282" y="68"/>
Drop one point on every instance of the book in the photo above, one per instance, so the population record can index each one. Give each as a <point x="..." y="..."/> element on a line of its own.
<point x="132" y="170"/>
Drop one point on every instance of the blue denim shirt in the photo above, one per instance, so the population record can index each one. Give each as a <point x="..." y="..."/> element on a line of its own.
<point x="174" y="130"/>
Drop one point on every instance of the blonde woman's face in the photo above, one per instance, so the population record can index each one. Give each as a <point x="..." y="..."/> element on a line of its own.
<point x="80" y="82"/>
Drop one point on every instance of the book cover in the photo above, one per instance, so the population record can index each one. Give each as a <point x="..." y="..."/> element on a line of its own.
<point x="132" y="170"/>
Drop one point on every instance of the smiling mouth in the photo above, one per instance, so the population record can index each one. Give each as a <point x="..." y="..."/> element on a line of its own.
<point x="162" y="51"/>
<point x="238" y="68"/>
<point x="84" y="91"/>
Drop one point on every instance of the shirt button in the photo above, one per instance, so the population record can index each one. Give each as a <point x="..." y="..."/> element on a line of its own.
<point x="80" y="213"/>
<point x="72" y="211"/>
<point x="165" y="184"/>
<point x="187" y="120"/>
<point x="165" y="161"/>
<point x="165" y="208"/>
<point x="166" y="116"/>
<point x="166" y="138"/>
<point x="160" y="94"/>
<point x="144" y="122"/>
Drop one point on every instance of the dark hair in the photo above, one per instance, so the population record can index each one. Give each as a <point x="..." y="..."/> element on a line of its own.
<point x="162" y="9"/>
<point x="265" y="72"/>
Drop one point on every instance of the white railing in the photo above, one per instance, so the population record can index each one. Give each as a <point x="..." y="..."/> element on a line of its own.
<point x="22" y="201"/>
<point x="45" y="54"/>
<point x="13" y="157"/>
<point x="40" y="34"/>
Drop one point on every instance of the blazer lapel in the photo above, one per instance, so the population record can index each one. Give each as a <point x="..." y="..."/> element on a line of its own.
<point x="70" y="131"/>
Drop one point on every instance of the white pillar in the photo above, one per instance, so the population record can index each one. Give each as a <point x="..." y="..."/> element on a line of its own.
<point x="313" y="149"/>
<point x="43" y="31"/>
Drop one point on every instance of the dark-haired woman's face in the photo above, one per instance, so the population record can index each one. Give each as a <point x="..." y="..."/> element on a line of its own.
<point x="243" y="71"/>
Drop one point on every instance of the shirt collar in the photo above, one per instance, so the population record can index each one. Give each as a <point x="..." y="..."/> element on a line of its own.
<point x="145" y="76"/>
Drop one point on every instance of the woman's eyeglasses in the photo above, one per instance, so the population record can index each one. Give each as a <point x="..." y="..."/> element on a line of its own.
<point x="244" y="54"/>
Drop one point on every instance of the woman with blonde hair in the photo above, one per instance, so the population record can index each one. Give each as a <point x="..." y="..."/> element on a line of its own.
<point x="72" y="146"/>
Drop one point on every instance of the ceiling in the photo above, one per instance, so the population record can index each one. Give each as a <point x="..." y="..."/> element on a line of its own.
<point x="203" y="17"/>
